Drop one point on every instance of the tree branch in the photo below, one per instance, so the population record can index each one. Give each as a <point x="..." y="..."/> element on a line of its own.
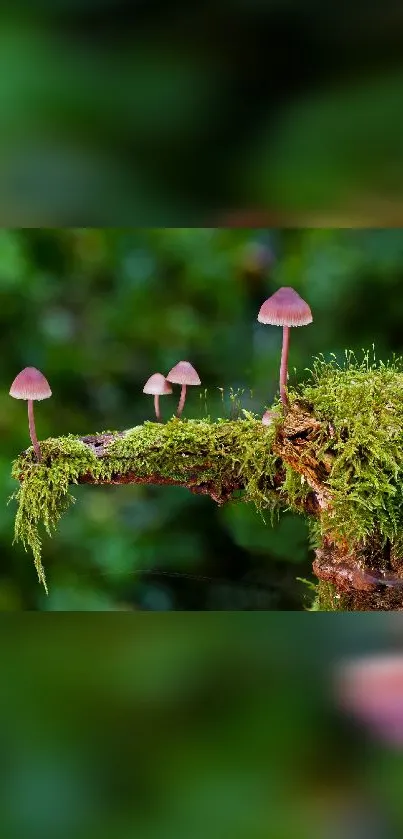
<point x="287" y="464"/>
<point x="99" y="445"/>
<point x="291" y="443"/>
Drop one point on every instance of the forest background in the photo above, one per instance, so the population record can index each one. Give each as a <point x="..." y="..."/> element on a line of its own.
<point x="98" y="311"/>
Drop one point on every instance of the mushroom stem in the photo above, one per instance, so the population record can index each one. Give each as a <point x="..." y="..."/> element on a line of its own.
<point x="181" y="401"/>
<point x="157" y="407"/>
<point x="32" y="431"/>
<point x="284" y="366"/>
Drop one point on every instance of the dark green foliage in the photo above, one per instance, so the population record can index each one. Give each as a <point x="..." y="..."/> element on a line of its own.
<point x="174" y="726"/>
<point x="137" y="111"/>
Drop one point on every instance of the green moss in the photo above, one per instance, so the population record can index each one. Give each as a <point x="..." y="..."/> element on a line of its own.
<point x="184" y="450"/>
<point x="295" y="488"/>
<point x="363" y="403"/>
<point x="360" y="404"/>
<point x="327" y="599"/>
<point x="44" y="494"/>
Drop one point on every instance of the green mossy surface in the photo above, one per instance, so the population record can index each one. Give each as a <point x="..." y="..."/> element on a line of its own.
<point x="362" y="401"/>
<point x="359" y="402"/>
<point x="327" y="599"/>
<point x="221" y="452"/>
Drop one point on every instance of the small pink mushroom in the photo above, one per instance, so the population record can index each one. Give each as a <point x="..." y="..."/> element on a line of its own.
<point x="268" y="417"/>
<point x="285" y="308"/>
<point x="31" y="384"/>
<point x="157" y="386"/>
<point x="183" y="374"/>
<point x="371" y="690"/>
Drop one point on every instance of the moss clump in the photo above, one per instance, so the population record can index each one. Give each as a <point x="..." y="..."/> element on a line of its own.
<point x="190" y="451"/>
<point x="327" y="599"/>
<point x="362" y="402"/>
<point x="43" y="493"/>
<point x="344" y="434"/>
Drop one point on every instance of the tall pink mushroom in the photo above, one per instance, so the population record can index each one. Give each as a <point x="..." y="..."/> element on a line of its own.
<point x="31" y="384"/>
<point x="285" y="308"/>
<point x="157" y="386"/>
<point x="183" y="374"/>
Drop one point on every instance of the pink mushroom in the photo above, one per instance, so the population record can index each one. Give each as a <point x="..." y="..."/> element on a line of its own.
<point x="157" y="385"/>
<point x="183" y="374"/>
<point x="371" y="690"/>
<point x="285" y="308"/>
<point x="31" y="384"/>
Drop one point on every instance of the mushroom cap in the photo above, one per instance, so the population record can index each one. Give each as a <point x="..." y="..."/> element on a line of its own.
<point x="30" y="384"/>
<point x="268" y="417"/>
<point x="157" y="385"/>
<point x="183" y="374"/>
<point x="285" y="308"/>
<point x="372" y="690"/>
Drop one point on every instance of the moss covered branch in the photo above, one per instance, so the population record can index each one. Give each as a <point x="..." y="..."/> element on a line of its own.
<point x="336" y="457"/>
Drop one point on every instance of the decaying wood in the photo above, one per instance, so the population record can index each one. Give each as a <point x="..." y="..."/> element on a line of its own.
<point x="364" y="577"/>
<point x="293" y="445"/>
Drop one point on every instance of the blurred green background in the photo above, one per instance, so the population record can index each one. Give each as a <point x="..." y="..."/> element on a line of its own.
<point x="149" y="113"/>
<point x="98" y="311"/>
<point x="170" y="727"/>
